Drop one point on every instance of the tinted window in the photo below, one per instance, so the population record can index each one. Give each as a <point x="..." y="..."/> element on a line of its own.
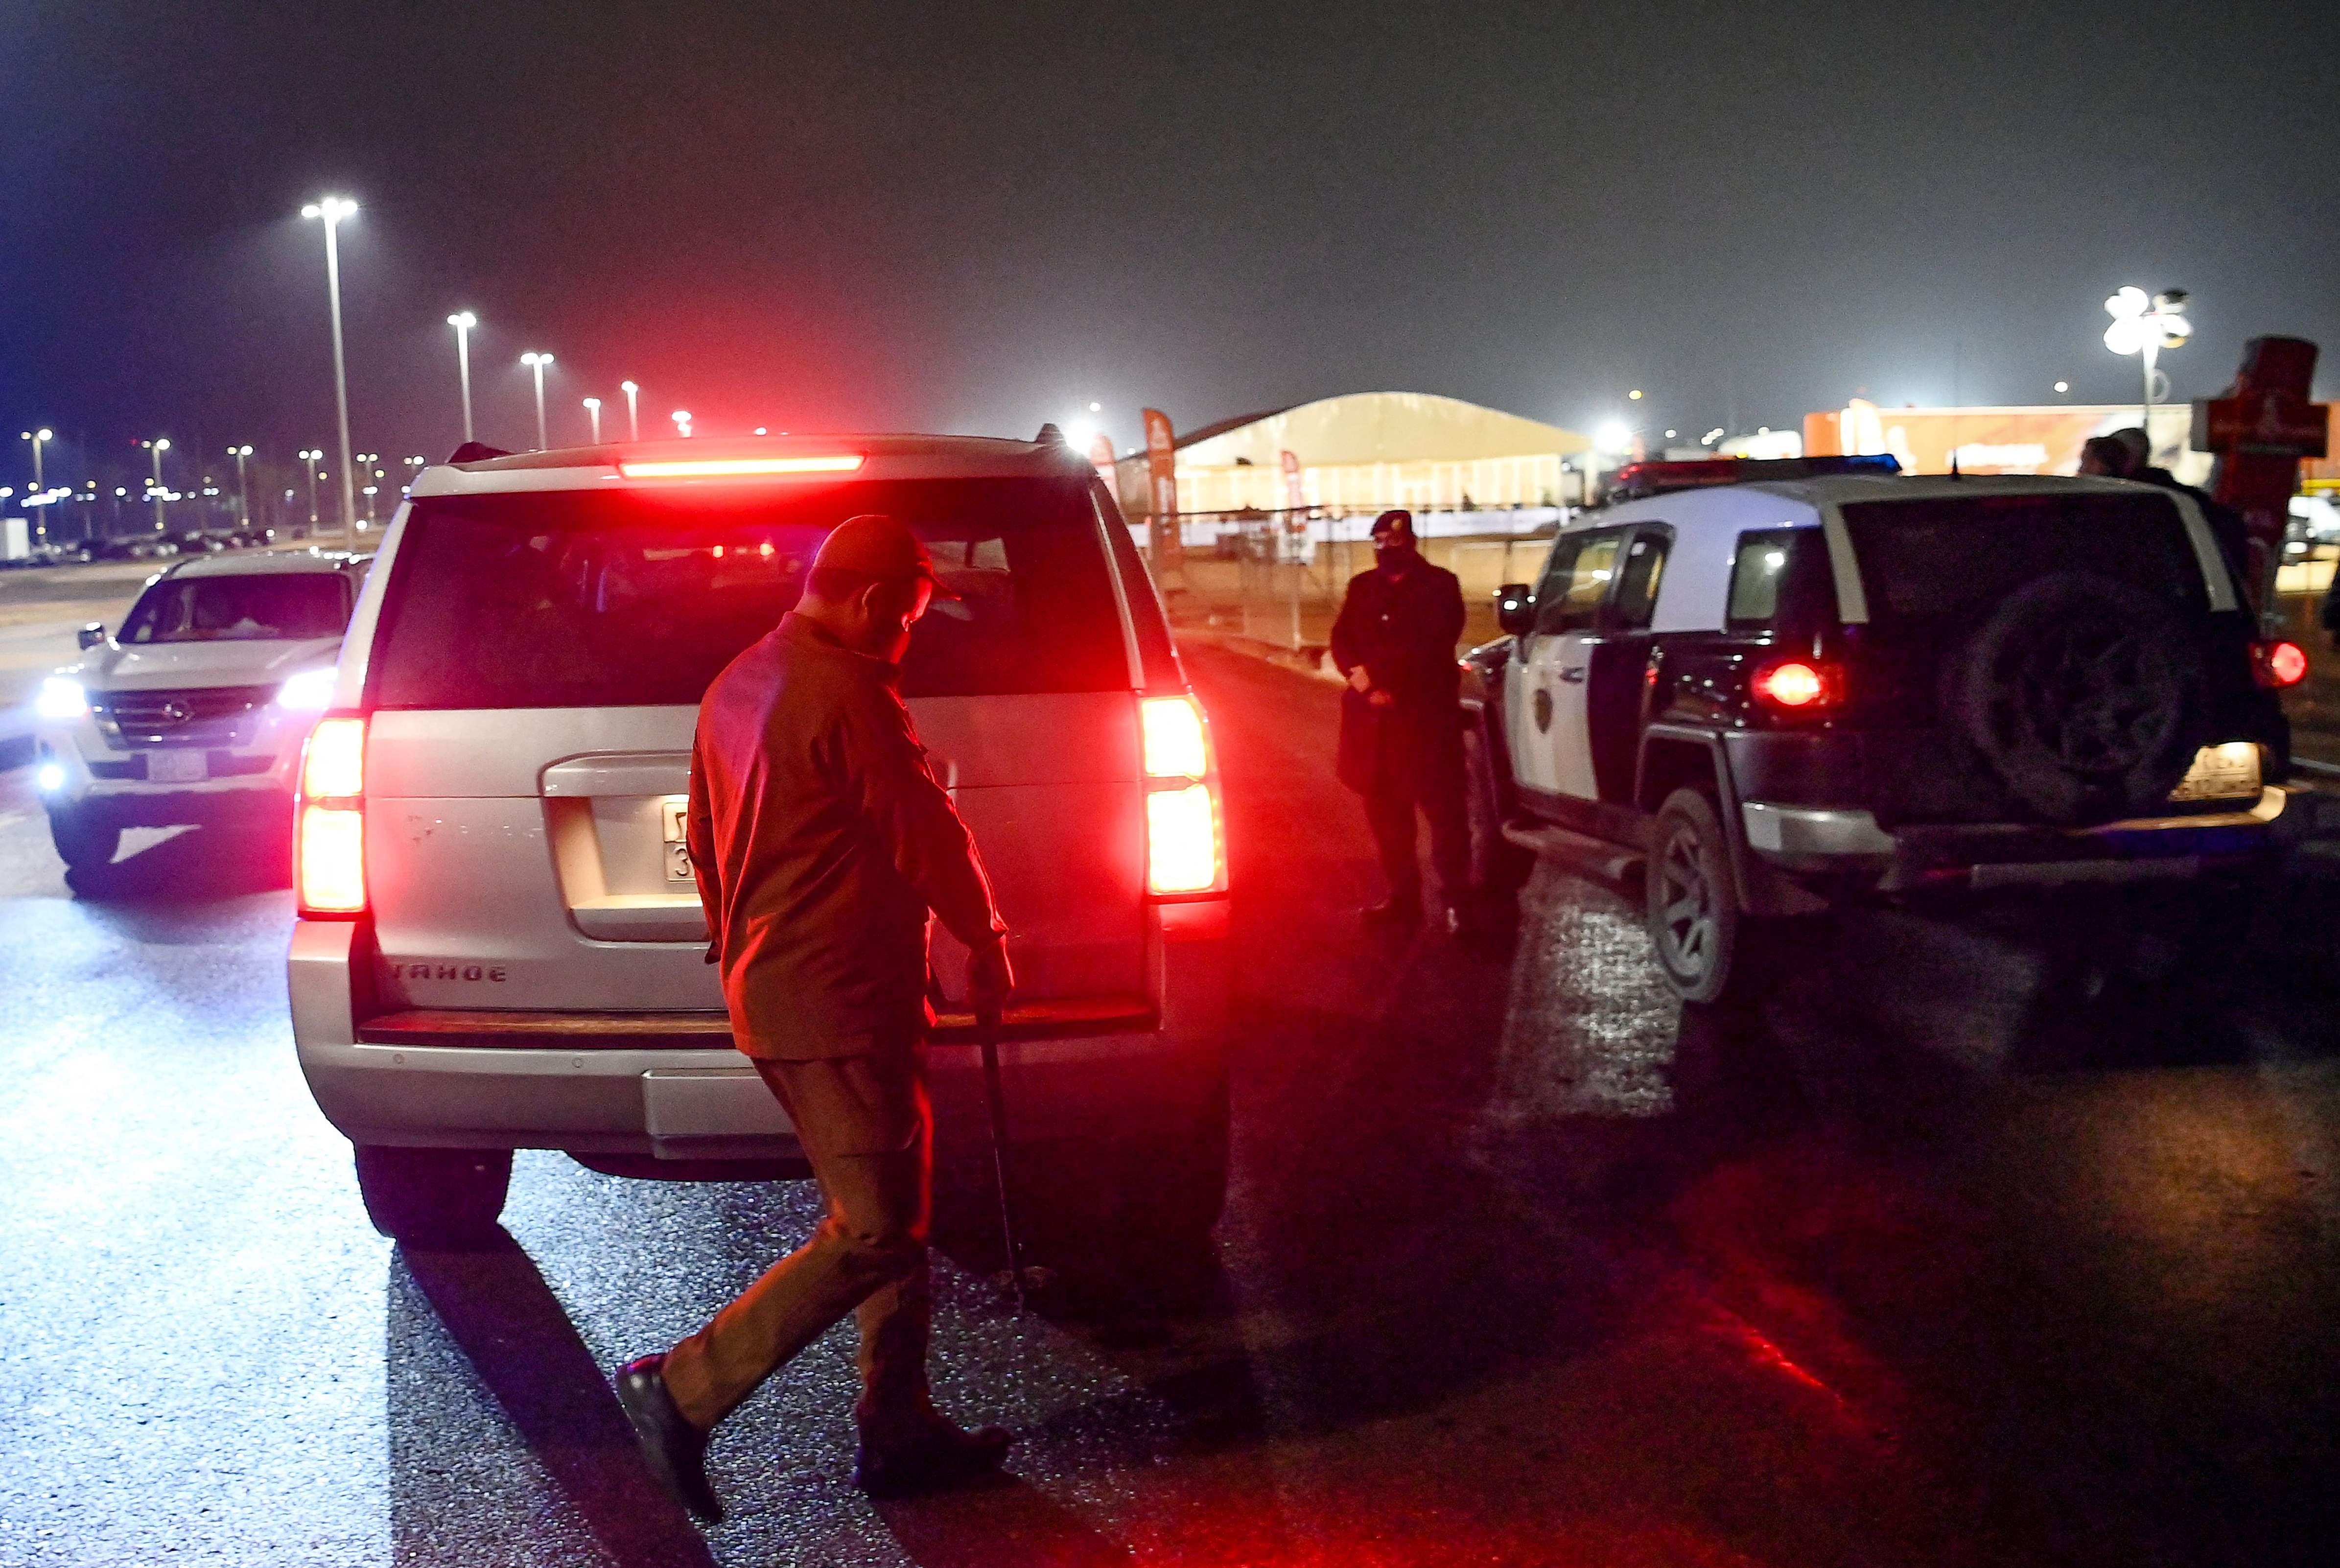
<point x="1637" y="586"/>
<point x="1931" y="560"/>
<point x="1576" y="582"/>
<point x="280" y="606"/>
<point x="1157" y="657"/>
<point x="639" y="597"/>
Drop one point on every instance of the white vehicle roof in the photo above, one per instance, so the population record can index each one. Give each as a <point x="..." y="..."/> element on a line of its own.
<point x="884" y="456"/>
<point x="1707" y="524"/>
<point x="264" y="563"/>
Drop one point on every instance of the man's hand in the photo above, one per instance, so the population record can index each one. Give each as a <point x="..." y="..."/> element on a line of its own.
<point x="989" y="980"/>
<point x="1359" y="681"/>
<point x="1378" y="697"/>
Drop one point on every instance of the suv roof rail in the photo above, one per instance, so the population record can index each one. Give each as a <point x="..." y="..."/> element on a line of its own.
<point x="477" y="451"/>
<point x="1637" y="479"/>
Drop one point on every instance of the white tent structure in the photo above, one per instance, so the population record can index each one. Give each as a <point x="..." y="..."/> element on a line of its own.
<point x="1365" y="451"/>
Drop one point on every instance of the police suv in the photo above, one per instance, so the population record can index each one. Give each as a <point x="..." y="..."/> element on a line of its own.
<point x="500" y="942"/>
<point x="1783" y="686"/>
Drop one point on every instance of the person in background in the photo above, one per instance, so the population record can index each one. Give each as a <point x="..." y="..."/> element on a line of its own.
<point x="2102" y="457"/>
<point x="1402" y="720"/>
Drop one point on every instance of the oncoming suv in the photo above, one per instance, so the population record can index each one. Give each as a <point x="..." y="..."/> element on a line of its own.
<point x="1788" y="685"/>
<point x="194" y="709"/>
<point x="499" y="943"/>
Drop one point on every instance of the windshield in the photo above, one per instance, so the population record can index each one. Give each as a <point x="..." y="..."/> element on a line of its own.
<point x="277" y="606"/>
<point x="1931" y="561"/>
<point x="571" y="599"/>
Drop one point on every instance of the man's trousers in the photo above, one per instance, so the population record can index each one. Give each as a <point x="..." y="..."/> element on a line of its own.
<point x="1390" y="805"/>
<point x="866" y="1128"/>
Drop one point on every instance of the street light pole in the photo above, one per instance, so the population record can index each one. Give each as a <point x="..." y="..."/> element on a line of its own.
<point x="633" y="423"/>
<point x="593" y="407"/>
<point x="537" y="361"/>
<point x="463" y="322"/>
<point x="155" y="449"/>
<point x="309" y="456"/>
<point x="39" y="438"/>
<point x="242" y="494"/>
<point x="332" y="209"/>
<point x="2143" y="327"/>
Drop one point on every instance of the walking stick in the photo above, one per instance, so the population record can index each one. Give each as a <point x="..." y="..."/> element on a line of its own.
<point x="1019" y="1277"/>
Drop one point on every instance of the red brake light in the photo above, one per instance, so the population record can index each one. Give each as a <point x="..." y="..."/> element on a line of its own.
<point x="1185" y="835"/>
<point x="737" y="466"/>
<point x="1799" y="685"/>
<point x="329" y="820"/>
<point x="2279" y="664"/>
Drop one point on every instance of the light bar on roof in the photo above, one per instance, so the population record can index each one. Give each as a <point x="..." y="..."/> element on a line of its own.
<point x="737" y="466"/>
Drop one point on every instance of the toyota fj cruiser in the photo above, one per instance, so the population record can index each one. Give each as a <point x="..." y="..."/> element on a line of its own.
<point x="1784" y="686"/>
<point x="499" y="940"/>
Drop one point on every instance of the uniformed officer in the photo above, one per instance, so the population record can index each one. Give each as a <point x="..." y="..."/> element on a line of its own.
<point x="1401" y="719"/>
<point x="820" y="841"/>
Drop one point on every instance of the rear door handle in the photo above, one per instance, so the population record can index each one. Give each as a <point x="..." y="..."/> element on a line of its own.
<point x="1574" y="674"/>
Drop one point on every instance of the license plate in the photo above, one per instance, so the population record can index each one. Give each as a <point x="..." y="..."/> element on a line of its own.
<point x="176" y="768"/>
<point x="2220" y="772"/>
<point x="674" y="818"/>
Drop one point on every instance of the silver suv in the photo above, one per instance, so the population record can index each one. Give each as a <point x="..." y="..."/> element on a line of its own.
<point x="194" y="709"/>
<point x="499" y="944"/>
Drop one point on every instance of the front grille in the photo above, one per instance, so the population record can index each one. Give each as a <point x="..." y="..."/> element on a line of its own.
<point x="197" y="716"/>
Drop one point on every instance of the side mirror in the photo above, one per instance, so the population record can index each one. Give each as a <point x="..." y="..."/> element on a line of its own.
<point x="1515" y="608"/>
<point x="93" y="634"/>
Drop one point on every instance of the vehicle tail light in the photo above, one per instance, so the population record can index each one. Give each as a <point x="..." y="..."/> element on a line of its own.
<point x="329" y="820"/>
<point x="1799" y="685"/>
<point x="1185" y="829"/>
<point x="738" y="467"/>
<point x="2279" y="664"/>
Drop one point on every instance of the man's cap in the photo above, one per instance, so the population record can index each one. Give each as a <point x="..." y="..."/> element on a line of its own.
<point x="2139" y="444"/>
<point x="873" y="545"/>
<point x="1390" y="522"/>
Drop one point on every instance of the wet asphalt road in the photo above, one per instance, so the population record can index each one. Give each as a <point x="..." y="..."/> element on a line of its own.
<point x="1957" y="1251"/>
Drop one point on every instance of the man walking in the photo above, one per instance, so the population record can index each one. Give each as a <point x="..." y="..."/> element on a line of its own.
<point x="820" y="841"/>
<point x="1401" y="719"/>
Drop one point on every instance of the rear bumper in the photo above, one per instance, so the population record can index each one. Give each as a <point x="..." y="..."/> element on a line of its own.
<point x="599" y="1084"/>
<point x="1847" y="847"/>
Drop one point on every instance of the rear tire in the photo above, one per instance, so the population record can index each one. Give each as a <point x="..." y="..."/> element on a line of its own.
<point x="1697" y="932"/>
<point x="82" y="841"/>
<point x="1172" y="1182"/>
<point x="1499" y="867"/>
<point x="433" y="1198"/>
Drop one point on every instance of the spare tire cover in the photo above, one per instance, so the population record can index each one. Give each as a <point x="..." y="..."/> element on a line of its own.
<point x="2085" y="695"/>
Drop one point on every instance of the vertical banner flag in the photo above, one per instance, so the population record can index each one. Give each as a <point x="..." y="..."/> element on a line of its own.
<point x="1292" y="497"/>
<point x="1101" y="454"/>
<point x="1161" y="466"/>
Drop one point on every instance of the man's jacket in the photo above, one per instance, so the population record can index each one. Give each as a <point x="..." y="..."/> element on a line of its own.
<point x="820" y="840"/>
<point x="1402" y="631"/>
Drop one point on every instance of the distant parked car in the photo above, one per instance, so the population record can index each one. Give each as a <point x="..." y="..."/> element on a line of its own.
<point x="252" y="538"/>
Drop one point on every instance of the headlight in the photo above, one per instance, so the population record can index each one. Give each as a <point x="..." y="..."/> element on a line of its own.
<point x="311" y="691"/>
<point x="62" y="700"/>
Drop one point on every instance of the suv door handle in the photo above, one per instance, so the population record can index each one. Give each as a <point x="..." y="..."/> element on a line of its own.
<point x="1574" y="674"/>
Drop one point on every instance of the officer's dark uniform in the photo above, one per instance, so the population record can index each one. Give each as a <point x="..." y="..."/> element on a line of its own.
<point x="1401" y="629"/>
<point x="820" y="841"/>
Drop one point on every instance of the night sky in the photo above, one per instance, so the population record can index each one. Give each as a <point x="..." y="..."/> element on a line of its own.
<point x="973" y="217"/>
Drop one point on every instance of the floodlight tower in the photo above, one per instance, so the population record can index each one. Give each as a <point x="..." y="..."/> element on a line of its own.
<point x="332" y="210"/>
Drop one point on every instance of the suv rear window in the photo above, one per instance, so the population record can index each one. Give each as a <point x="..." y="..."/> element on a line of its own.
<point x="1780" y="581"/>
<point x="569" y="599"/>
<point x="258" y="608"/>
<point x="1937" y="559"/>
